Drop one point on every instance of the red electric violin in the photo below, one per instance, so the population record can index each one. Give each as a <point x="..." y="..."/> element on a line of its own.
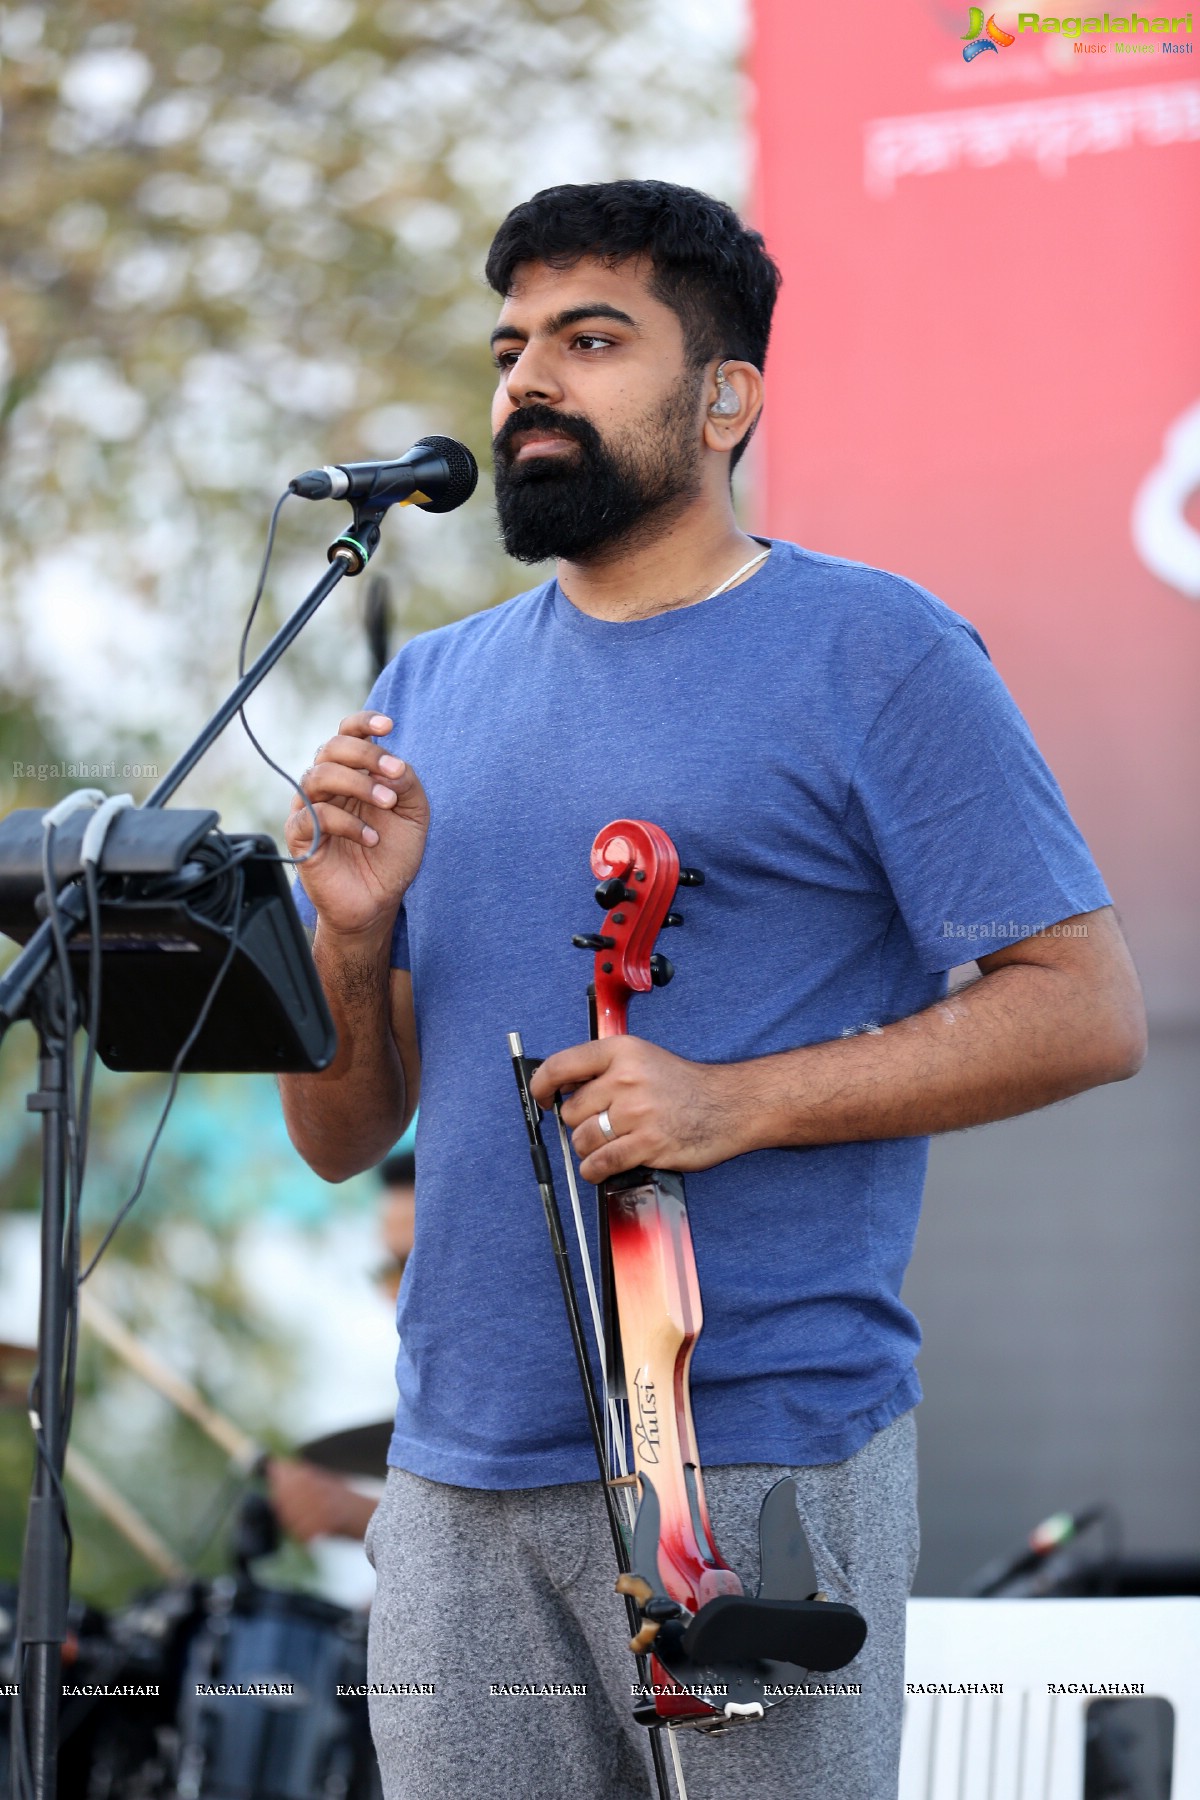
<point x="715" y="1654"/>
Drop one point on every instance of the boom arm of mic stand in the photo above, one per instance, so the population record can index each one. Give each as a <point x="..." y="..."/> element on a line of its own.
<point x="17" y="985"/>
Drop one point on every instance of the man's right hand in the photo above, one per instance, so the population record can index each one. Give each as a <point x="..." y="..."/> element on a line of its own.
<point x="374" y="817"/>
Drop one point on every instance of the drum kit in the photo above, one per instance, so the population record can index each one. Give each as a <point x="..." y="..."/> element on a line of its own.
<point x="222" y="1689"/>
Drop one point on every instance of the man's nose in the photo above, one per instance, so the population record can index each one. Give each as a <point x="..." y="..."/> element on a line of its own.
<point x="531" y="379"/>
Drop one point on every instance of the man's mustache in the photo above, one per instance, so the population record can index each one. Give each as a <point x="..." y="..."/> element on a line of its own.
<point x="528" y="419"/>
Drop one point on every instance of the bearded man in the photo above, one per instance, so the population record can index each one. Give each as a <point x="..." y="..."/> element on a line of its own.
<point x="832" y="746"/>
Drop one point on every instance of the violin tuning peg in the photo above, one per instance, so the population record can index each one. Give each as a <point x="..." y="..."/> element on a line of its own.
<point x="593" y="940"/>
<point x="691" y="878"/>
<point x="673" y="918"/>
<point x="613" y="892"/>
<point x="662" y="970"/>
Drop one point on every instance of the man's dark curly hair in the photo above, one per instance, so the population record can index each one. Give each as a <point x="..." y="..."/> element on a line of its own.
<point x="709" y="268"/>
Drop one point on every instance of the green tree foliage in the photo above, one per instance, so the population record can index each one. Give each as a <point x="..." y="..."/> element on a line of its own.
<point x="239" y="240"/>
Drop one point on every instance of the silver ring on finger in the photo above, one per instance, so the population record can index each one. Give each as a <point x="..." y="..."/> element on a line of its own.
<point x="606" y="1125"/>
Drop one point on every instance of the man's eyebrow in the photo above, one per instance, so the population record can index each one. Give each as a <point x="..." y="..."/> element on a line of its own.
<point x="574" y="315"/>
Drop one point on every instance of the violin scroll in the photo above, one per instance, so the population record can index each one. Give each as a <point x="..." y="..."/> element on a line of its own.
<point x="638" y="873"/>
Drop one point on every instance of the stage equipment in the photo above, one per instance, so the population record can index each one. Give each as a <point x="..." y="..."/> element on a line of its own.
<point x="180" y="900"/>
<point x="359" y="1450"/>
<point x="437" y="475"/>
<point x="196" y="961"/>
<point x="304" y="1734"/>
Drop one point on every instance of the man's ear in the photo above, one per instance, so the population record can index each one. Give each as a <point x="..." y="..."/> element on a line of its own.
<point x="734" y="398"/>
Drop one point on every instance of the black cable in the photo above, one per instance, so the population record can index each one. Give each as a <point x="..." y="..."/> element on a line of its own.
<point x="91" y="884"/>
<point x="292" y="861"/>
<point x="70" y="1009"/>
<point x="69" y="1249"/>
<point x="56" y="1484"/>
<point x="74" y="1227"/>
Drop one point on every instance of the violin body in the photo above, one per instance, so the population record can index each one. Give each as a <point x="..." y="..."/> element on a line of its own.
<point x="659" y="1314"/>
<point x="715" y="1653"/>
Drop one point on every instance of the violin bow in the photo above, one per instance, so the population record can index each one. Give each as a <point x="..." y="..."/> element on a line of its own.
<point x="716" y="1655"/>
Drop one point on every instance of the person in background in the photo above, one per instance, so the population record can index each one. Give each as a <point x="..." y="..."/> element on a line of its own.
<point x="311" y="1502"/>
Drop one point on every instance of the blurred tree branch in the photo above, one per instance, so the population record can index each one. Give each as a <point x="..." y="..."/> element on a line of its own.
<point x="236" y="241"/>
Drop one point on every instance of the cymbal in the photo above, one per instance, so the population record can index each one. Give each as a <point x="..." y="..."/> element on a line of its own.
<point x="362" y="1450"/>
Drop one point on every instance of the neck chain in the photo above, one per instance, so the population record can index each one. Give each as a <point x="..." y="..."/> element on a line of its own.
<point x="724" y="587"/>
<point x="738" y="573"/>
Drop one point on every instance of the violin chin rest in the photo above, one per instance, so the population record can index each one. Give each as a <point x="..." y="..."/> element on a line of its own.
<point x="812" y="1634"/>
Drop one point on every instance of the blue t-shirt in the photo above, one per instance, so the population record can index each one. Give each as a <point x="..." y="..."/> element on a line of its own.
<point x="833" y="748"/>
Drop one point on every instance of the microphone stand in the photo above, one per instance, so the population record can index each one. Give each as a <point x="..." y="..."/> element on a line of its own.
<point x="33" y="987"/>
<point x="348" y="556"/>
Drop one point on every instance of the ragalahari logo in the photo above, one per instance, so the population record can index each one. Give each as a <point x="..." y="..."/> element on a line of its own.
<point x="992" y="41"/>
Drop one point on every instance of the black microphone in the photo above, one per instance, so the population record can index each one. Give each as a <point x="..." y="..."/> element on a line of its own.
<point x="1051" y="1535"/>
<point x="437" y="475"/>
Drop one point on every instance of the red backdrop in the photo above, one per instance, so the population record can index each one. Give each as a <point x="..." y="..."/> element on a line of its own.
<point x="990" y="319"/>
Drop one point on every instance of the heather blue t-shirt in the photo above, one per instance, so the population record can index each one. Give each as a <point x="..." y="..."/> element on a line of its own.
<point x="833" y="748"/>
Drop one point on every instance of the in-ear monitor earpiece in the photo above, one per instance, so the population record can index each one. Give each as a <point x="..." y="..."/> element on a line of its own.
<point x="727" y="404"/>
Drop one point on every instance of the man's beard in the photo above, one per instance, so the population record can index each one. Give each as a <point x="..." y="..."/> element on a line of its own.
<point x="576" y="504"/>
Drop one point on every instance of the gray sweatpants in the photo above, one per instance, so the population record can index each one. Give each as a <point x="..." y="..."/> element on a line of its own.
<point x="483" y="1591"/>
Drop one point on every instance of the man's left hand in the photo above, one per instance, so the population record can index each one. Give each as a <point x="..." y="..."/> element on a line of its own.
<point x="667" y="1113"/>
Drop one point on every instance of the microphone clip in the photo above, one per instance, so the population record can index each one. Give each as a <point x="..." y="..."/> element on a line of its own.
<point x="359" y="544"/>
